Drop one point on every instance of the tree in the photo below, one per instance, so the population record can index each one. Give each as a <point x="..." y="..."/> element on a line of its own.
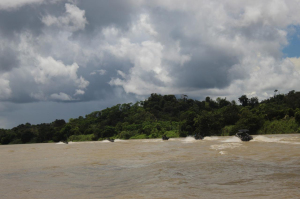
<point x="297" y="116"/>
<point x="253" y="101"/>
<point x="243" y="100"/>
<point x="208" y="123"/>
<point x="26" y="136"/>
<point x="65" y="132"/>
<point x="222" y="102"/>
<point x="250" y="121"/>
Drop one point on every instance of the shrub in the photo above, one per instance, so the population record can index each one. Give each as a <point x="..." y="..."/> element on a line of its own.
<point x="283" y="126"/>
<point x="142" y="136"/>
<point x="172" y="134"/>
<point x="80" y="138"/>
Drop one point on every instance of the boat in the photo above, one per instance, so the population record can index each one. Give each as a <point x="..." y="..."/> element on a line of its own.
<point x="243" y="135"/>
<point x="111" y="140"/>
<point x="198" y="136"/>
<point x="164" y="137"/>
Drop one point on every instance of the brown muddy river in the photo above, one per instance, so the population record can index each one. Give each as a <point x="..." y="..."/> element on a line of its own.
<point x="216" y="167"/>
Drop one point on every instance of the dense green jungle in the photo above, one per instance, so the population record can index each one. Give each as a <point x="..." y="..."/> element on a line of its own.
<point x="167" y="115"/>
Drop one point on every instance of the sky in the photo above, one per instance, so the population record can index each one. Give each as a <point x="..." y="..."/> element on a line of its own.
<point x="61" y="59"/>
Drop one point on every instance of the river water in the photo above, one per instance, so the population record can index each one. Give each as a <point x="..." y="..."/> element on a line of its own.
<point x="216" y="167"/>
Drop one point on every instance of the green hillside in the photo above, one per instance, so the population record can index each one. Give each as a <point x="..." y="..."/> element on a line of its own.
<point x="174" y="117"/>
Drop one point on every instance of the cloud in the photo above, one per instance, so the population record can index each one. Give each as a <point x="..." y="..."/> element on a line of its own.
<point x="79" y="92"/>
<point x="100" y="72"/>
<point x="5" y="90"/>
<point x="49" y="68"/>
<point x="98" y="50"/>
<point x="61" y="96"/>
<point x="296" y="62"/>
<point x="74" y="19"/>
<point x="8" y="4"/>
<point x="8" y="57"/>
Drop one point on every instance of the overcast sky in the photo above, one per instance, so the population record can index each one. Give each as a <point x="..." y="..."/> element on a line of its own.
<point x="62" y="59"/>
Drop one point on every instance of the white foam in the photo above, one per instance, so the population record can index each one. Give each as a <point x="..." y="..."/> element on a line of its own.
<point x="106" y="141"/>
<point x="60" y="143"/>
<point x="210" y="138"/>
<point x="189" y="139"/>
<point x="261" y="138"/>
<point x="225" y="146"/>
<point x="232" y="139"/>
<point x="119" y="140"/>
<point x="282" y="140"/>
<point x="223" y="152"/>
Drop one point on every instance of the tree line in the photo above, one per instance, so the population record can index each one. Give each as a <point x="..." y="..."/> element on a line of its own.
<point x="171" y="116"/>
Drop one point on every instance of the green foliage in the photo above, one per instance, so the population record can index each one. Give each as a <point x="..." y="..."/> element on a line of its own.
<point x="172" y="134"/>
<point x="26" y="136"/>
<point x="248" y="120"/>
<point x="283" y="126"/>
<point x="16" y="141"/>
<point x="167" y="115"/>
<point x="208" y="123"/>
<point x="226" y="131"/>
<point x="79" y="138"/>
<point x="297" y="116"/>
<point x="142" y="136"/>
<point x="127" y="134"/>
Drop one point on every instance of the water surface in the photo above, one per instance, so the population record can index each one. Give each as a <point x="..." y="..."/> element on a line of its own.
<point x="216" y="167"/>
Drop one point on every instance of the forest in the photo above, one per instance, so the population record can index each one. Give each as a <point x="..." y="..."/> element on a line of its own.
<point x="171" y="116"/>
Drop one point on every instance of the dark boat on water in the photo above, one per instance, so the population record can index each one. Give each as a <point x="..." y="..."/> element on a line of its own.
<point x="164" y="137"/>
<point x="243" y="135"/>
<point x="198" y="137"/>
<point x="111" y="140"/>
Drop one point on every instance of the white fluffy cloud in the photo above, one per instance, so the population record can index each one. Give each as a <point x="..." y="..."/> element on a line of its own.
<point x="200" y="48"/>
<point x="61" y="96"/>
<point x="72" y="20"/>
<point x="41" y="77"/>
<point x="232" y="31"/>
<point x="11" y="4"/>
<point x="76" y="50"/>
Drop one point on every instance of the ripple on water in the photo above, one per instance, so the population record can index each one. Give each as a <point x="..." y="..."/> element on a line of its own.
<point x="153" y="140"/>
<point x="223" y="152"/>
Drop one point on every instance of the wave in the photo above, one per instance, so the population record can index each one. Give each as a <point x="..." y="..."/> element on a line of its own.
<point x="189" y="139"/>
<point x="60" y="143"/>
<point x="225" y="146"/>
<point x="284" y="140"/>
<point x="223" y="152"/>
<point x="232" y="139"/>
<point x="210" y="138"/>
<point x="261" y="138"/>
<point x="119" y="140"/>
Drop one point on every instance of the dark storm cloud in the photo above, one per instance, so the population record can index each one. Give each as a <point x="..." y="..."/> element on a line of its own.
<point x="99" y="88"/>
<point x="8" y="59"/>
<point x="101" y="13"/>
<point x="205" y="71"/>
<point x="209" y="65"/>
<point x="26" y="18"/>
<point x="159" y="46"/>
